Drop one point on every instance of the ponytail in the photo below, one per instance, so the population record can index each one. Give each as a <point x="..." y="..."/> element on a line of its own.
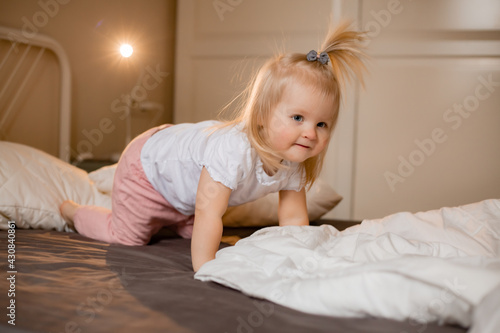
<point x="345" y="50"/>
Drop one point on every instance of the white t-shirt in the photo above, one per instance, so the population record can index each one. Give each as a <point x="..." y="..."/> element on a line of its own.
<point x="173" y="158"/>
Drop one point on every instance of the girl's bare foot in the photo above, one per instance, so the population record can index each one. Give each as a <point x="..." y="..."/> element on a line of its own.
<point x="68" y="209"/>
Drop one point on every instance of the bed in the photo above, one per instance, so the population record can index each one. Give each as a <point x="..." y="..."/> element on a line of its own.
<point x="68" y="283"/>
<point x="59" y="281"/>
<point x="20" y="58"/>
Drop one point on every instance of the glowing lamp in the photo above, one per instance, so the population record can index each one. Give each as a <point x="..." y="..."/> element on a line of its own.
<point x="126" y="50"/>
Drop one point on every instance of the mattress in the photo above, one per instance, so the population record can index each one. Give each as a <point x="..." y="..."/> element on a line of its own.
<point x="68" y="283"/>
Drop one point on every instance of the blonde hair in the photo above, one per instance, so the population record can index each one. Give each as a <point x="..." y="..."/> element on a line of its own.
<point x="264" y="92"/>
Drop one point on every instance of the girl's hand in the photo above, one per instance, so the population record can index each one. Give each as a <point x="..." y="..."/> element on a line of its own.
<point x="292" y="208"/>
<point x="212" y="199"/>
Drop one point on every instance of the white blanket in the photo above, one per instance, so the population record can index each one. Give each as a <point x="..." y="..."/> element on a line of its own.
<point x="424" y="267"/>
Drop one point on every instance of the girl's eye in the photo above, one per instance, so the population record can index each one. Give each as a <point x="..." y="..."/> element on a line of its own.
<point x="322" y="124"/>
<point x="297" y="118"/>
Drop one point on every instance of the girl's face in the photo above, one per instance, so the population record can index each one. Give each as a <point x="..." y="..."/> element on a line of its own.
<point x="300" y="125"/>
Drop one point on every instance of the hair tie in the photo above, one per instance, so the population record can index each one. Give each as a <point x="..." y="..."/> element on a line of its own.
<point x="313" y="56"/>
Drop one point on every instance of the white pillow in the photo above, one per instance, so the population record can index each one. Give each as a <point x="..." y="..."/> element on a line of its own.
<point x="33" y="184"/>
<point x="321" y="198"/>
<point x="103" y="178"/>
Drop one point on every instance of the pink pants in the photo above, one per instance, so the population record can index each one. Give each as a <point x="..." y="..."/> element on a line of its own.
<point x="138" y="210"/>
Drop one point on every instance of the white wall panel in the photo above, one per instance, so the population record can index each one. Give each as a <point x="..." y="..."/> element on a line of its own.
<point x="428" y="135"/>
<point x="427" y="56"/>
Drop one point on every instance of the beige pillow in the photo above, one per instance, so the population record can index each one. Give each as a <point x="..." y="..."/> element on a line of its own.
<point x="321" y="198"/>
<point x="103" y="178"/>
<point x="33" y="184"/>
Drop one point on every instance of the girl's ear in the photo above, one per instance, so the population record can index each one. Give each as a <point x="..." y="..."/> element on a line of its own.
<point x="261" y="125"/>
<point x="260" y="122"/>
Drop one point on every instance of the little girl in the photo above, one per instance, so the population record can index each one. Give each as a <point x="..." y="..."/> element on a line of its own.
<point x="185" y="176"/>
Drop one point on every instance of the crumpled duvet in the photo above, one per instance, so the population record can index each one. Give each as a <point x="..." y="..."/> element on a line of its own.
<point x="424" y="267"/>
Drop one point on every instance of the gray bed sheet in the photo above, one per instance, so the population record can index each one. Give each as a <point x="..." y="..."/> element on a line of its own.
<point x="69" y="283"/>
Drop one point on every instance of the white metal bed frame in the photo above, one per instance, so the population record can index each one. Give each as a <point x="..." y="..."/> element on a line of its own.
<point x="16" y="36"/>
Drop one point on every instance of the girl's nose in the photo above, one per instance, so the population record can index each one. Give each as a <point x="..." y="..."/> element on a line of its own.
<point x="309" y="133"/>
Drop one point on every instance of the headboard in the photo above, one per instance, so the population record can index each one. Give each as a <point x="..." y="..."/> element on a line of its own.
<point x="18" y="72"/>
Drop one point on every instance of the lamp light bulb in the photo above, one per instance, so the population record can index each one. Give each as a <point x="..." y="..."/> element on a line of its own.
<point x="126" y="50"/>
